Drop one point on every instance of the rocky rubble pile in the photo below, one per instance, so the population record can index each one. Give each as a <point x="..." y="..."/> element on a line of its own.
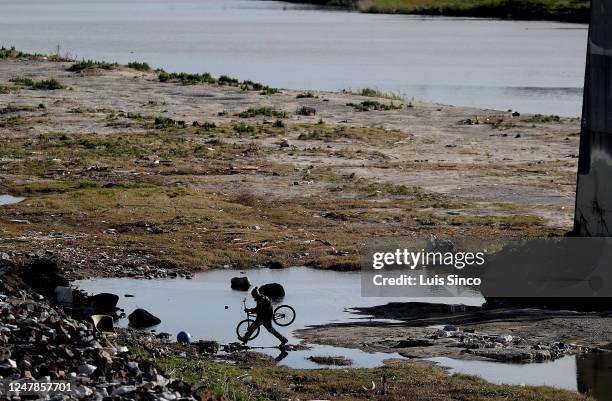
<point x="77" y="262"/>
<point x="505" y="347"/>
<point x="40" y="342"/>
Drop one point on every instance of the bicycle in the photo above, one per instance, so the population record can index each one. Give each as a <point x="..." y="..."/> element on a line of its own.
<point x="283" y="316"/>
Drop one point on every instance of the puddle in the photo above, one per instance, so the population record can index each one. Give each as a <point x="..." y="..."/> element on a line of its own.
<point x="10" y="199"/>
<point x="198" y="306"/>
<point x="590" y="373"/>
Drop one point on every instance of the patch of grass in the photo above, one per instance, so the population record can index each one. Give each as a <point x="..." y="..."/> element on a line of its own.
<point x="140" y="66"/>
<point x="222" y="379"/>
<point x="278" y="124"/>
<point x="92" y="65"/>
<point x="544" y="118"/>
<point x="206" y="126"/>
<point x="249" y="85"/>
<point x="390" y="383"/>
<point x="374" y="105"/>
<point x="227" y="80"/>
<point x="243" y="128"/>
<point x="47" y="84"/>
<point x="270" y="91"/>
<point x="306" y="95"/>
<point x="162" y="122"/>
<point x="206" y="78"/>
<point x="561" y="10"/>
<point x="6" y="89"/>
<point x="58" y="187"/>
<point x="9" y="53"/>
<point x="262" y="111"/>
<point x="14" y="53"/>
<point x="23" y="81"/>
<point x="185" y="78"/>
<point x="369" y="187"/>
<point x="331" y="133"/>
<point x="371" y="92"/>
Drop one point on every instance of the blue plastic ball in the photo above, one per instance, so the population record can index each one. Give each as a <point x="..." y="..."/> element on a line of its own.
<point x="183" y="337"/>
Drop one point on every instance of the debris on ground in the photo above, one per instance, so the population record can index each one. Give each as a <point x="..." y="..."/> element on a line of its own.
<point x="42" y="342"/>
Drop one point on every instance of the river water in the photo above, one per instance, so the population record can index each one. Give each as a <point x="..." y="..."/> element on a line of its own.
<point x="10" y="199"/>
<point x="590" y="373"/>
<point x="526" y="66"/>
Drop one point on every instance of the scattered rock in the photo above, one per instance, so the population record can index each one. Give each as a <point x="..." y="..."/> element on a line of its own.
<point x="240" y="283"/>
<point x="505" y="354"/>
<point x="105" y="302"/>
<point x="441" y="334"/>
<point x="86" y="369"/>
<point x="206" y="347"/>
<point x="272" y="290"/>
<point x="436" y="244"/>
<point x="504" y="339"/>
<point x="141" y="318"/>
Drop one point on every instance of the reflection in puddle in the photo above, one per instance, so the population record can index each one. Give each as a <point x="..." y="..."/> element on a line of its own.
<point x="10" y="199"/>
<point x="590" y="373"/>
<point x="199" y="306"/>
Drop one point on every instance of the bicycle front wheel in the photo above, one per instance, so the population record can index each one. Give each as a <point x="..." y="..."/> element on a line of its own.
<point x="284" y="315"/>
<point x="242" y="328"/>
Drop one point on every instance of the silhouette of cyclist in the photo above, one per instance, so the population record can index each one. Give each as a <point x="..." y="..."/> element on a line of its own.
<point x="264" y="312"/>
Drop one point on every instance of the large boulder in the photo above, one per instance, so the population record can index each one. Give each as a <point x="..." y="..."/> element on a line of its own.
<point x="140" y="318"/>
<point x="272" y="290"/>
<point x="240" y="283"/>
<point x="105" y="301"/>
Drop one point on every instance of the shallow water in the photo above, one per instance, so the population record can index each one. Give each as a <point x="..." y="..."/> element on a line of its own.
<point x="10" y="199"/>
<point x="527" y="66"/>
<point x="591" y="373"/>
<point x="320" y="297"/>
<point x="198" y="306"/>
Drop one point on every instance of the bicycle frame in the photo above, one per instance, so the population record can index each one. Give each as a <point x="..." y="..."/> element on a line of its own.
<point x="244" y="308"/>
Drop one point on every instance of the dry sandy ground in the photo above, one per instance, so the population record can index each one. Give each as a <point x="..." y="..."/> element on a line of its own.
<point x="345" y="175"/>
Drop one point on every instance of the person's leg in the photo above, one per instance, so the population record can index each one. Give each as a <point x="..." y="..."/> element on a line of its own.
<point x="275" y="333"/>
<point x="250" y="331"/>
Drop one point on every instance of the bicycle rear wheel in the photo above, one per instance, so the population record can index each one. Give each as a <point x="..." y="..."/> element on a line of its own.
<point x="284" y="315"/>
<point x="242" y="328"/>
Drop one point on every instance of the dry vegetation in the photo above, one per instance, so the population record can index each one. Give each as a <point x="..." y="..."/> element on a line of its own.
<point x="121" y="169"/>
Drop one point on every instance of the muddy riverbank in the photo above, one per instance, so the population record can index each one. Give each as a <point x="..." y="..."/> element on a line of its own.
<point x="125" y="175"/>
<point x="472" y="333"/>
<point x="127" y="172"/>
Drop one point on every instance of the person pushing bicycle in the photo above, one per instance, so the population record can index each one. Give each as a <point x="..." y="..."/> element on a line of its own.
<point x="265" y="313"/>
